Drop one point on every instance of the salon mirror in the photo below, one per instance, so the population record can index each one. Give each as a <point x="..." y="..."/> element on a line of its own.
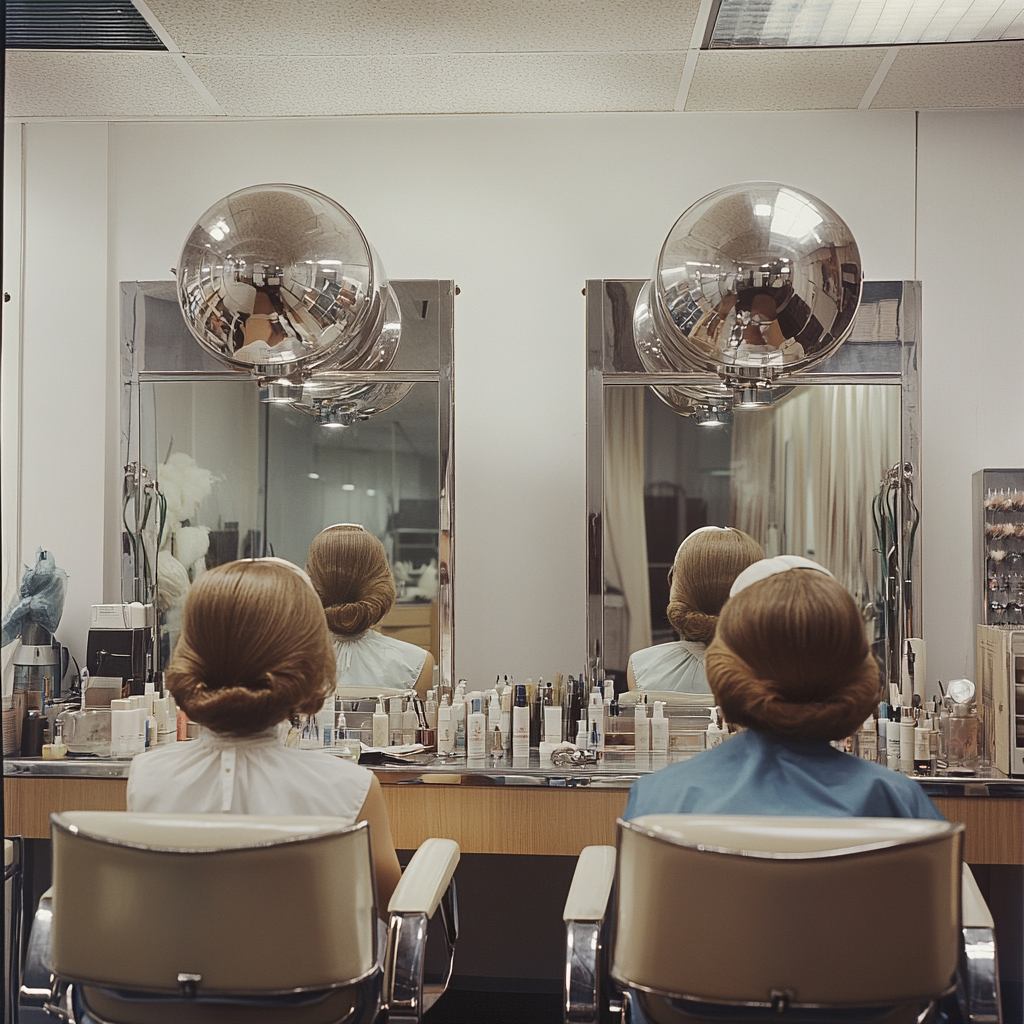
<point x="829" y="471"/>
<point x="262" y="477"/>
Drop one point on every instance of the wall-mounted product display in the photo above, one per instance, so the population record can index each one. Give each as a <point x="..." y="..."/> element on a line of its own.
<point x="998" y="500"/>
<point x="1000" y="654"/>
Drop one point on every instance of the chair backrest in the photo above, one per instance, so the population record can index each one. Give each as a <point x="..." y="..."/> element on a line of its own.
<point x="831" y="911"/>
<point x="251" y="905"/>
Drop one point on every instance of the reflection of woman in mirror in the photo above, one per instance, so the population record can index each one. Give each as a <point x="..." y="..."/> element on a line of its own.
<point x="254" y="652"/>
<point x="790" y="662"/>
<point x="349" y="569"/>
<point x="705" y="566"/>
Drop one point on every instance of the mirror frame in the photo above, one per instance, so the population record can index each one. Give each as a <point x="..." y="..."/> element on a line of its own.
<point x="133" y="374"/>
<point x="612" y="362"/>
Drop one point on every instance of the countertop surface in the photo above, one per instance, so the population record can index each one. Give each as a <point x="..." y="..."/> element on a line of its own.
<point x="615" y="770"/>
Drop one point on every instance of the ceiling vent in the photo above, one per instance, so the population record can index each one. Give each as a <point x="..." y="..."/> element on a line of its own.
<point x="81" y="25"/>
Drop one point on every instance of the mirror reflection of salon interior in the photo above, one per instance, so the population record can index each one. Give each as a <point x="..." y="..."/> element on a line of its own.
<point x="732" y="724"/>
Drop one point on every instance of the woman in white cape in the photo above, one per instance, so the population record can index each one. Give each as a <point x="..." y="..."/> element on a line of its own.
<point x="350" y="571"/>
<point x="704" y="568"/>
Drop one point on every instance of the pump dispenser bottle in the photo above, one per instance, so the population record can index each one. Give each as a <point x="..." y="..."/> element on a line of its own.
<point x="520" y="724"/>
<point x="659" y="729"/>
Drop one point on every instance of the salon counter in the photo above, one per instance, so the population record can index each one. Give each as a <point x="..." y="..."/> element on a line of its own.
<point x="497" y="807"/>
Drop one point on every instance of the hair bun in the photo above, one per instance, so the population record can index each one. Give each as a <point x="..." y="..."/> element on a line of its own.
<point x="690" y="624"/>
<point x="355" y="617"/>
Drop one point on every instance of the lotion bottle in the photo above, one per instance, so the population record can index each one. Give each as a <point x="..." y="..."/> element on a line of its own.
<point x="892" y="738"/>
<point x="907" y="740"/>
<point x="459" y="715"/>
<point x="430" y="709"/>
<point x="396" y="723"/>
<point x="520" y="724"/>
<point x="552" y="724"/>
<point x="445" y="728"/>
<point x="381" y="726"/>
<point x="659" y="729"/>
<point x="595" y="714"/>
<point x="476" y="731"/>
<point x="642" y="729"/>
<point x="410" y="723"/>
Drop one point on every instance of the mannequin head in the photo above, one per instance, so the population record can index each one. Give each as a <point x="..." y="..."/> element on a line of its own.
<point x="350" y="572"/>
<point x="254" y="648"/>
<point x="791" y="657"/>
<point x="705" y="566"/>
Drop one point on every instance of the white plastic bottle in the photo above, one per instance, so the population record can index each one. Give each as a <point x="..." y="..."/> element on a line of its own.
<point x="430" y="709"/>
<point x="381" y="726"/>
<point x="396" y="722"/>
<point x="410" y="723"/>
<point x="459" y="715"/>
<point x="553" y="724"/>
<point x="493" y="713"/>
<point x="445" y="728"/>
<point x="642" y="729"/>
<point x="476" y="730"/>
<point x="659" y="729"/>
<point x="520" y="724"/>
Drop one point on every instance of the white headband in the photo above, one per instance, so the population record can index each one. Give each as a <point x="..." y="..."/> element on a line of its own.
<point x="702" y="529"/>
<point x="772" y="567"/>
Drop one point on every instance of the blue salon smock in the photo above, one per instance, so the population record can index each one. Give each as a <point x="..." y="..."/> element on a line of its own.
<point x="760" y="773"/>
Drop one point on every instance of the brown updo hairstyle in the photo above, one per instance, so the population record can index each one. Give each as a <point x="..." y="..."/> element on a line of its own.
<point x="704" y="569"/>
<point x="791" y="658"/>
<point x="253" y="650"/>
<point x="349" y="569"/>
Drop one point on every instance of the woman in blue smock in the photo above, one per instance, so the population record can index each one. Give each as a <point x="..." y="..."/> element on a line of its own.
<point x="790" y="662"/>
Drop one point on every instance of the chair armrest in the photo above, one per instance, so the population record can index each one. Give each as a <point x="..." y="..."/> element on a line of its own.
<point x="591" y="885"/>
<point x="975" y="912"/>
<point x="426" y="878"/>
<point x="37" y="977"/>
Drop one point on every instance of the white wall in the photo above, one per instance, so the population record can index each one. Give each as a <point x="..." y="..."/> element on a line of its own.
<point x="970" y="234"/>
<point x="520" y="211"/>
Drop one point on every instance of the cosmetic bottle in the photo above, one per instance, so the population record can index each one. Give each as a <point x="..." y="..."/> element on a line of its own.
<point x="892" y="738"/>
<point x="506" y="719"/>
<point x="410" y="723"/>
<point x="595" y="715"/>
<point x="922" y="753"/>
<point x="325" y="723"/>
<point x="381" y="726"/>
<point x="430" y="709"/>
<point x="396" y="721"/>
<point x="717" y="734"/>
<point x="642" y="728"/>
<point x="476" y="730"/>
<point x="867" y="741"/>
<point x="122" y="728"/>
<point x="552" y="724"/>
<point x="907" y="740"/>
<point x="459" y="715"/>
<point x="934" y="745"/>
<point x="659" y="729"/>
<point x="346" y="742"/>
<point x="493" y="713"/>
<point x="445" y="728"/>
<point x="583" y="732"/>
<point x="497" y="744"/>
<point x="520" y="724"/>
<point x="609" y="689"/>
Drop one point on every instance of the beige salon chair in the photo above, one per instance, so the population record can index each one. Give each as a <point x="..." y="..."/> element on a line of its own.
<point x="671" y="698"/>
<point x="747" y="918"/>
<point x="225" y="919"/>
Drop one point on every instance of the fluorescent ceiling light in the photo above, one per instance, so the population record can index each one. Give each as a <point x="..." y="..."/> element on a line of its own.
<point x="808" y="23"/>
<point x="348" y="487"/>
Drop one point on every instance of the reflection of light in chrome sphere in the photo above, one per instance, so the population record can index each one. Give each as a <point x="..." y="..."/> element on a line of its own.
<point x="345" y="404"/>
<point x="754" y="281"/>
<point x="280" y="280"/>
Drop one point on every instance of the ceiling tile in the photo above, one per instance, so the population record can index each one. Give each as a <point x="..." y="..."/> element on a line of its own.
<point x="425" y="26"/>
<point x="441" y="83"/>
<point x="955" y="75"/>
<point x="69" y="83"/>
<point x="782" y="79"/>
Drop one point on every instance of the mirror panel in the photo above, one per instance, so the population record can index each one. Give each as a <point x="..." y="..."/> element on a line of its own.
<point x="268" y="477"/>
<point x="803" y="476"/>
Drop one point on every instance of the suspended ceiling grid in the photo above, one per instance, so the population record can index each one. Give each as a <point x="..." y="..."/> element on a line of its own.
<point x="303" y="58"/>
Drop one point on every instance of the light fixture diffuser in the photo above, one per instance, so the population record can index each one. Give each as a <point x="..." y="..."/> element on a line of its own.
<point x="811" y="23"/>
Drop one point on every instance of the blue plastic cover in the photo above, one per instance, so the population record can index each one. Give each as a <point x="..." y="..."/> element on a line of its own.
<point x="40" y="598"/>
